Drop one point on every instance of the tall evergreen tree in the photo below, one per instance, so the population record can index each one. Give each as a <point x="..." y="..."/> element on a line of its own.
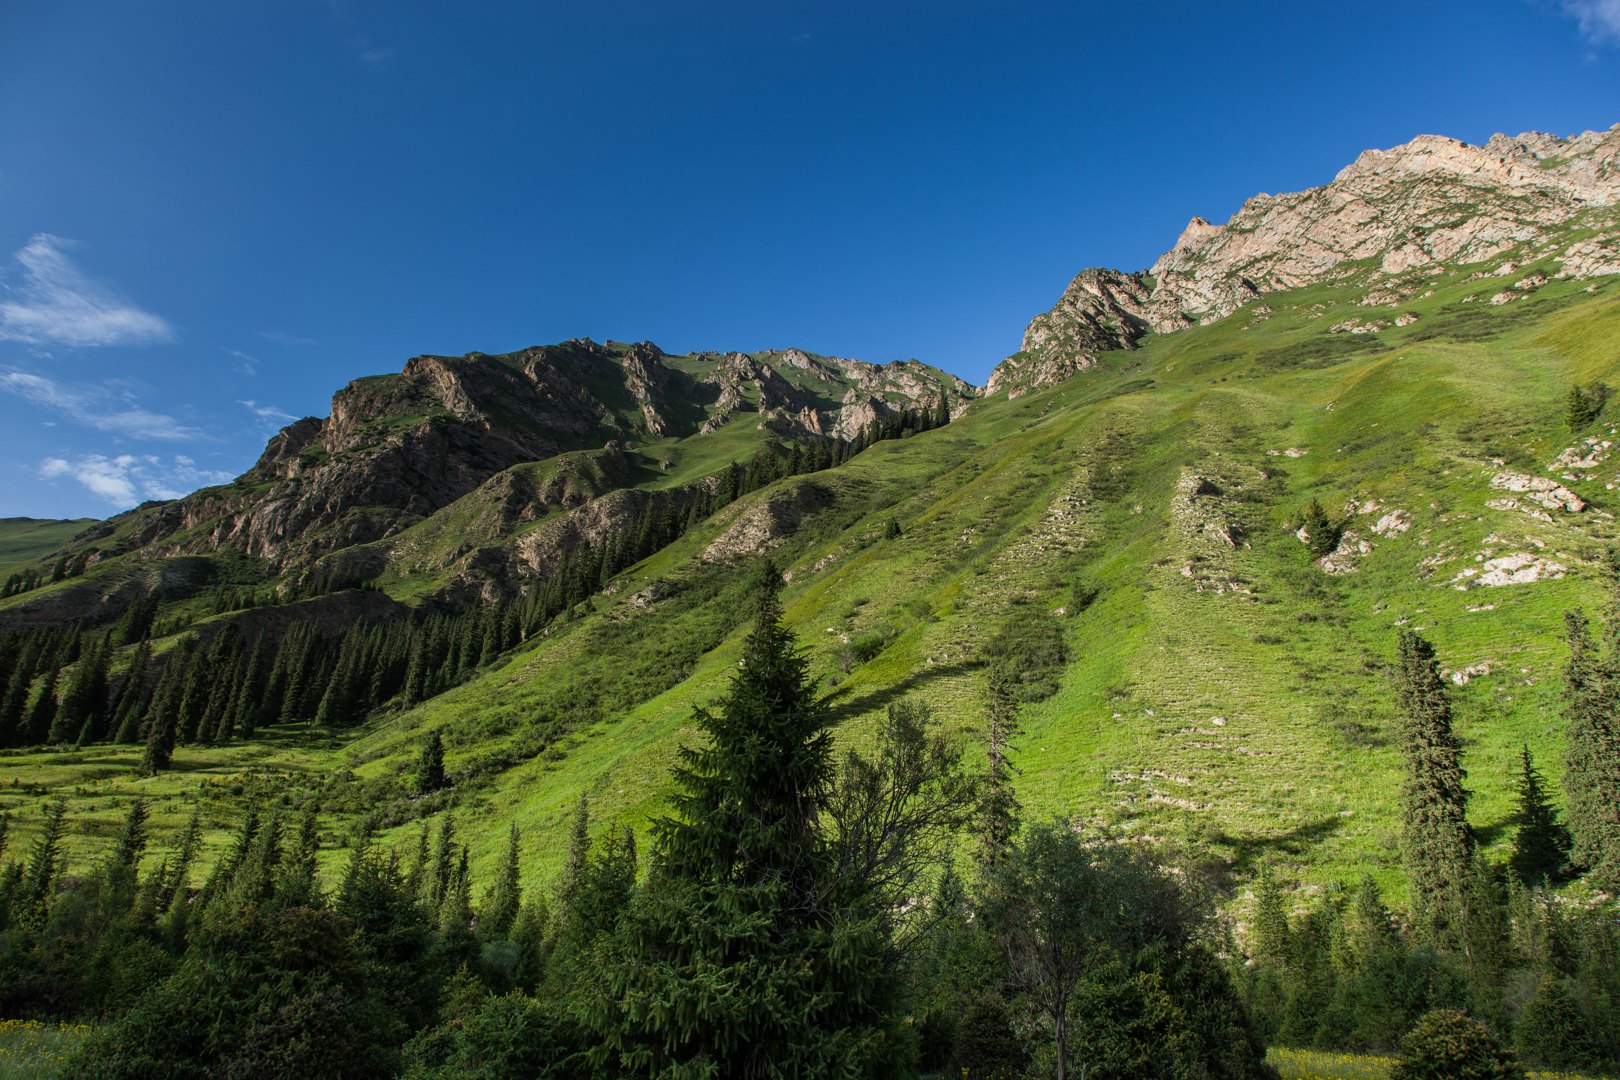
<point x="43" y="867"/>
<point x="1437" y="845"/>
<point x="999" y="809"/>
<point x="14" y="703"/>
<point x="297" y="884"/>
<point x="441" y="870"/>
<point x="84" y="700"/>
<point x="340" y="704"/>
<point x="505" y="897"/>
<point x="740" y="954"/>
<point x="160" y="738"/>
<point x="1592" y="754"/>
<point x="123" y="725"/>
<point x="430" y="765"/>
<point x="121" y="865"/>
<point x="1540" y="842"/>
<point x="1271" y="938"/>
<point x="38" y="725"/>
<point x="579" y="851"/>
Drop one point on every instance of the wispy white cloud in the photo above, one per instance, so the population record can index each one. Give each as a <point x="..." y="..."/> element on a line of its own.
<point x="126" y="479"/>
<point x="268" y="412"/>
<point x="248" y="363"/>
<point x="1599" y="19"/>
<point x="54" y="303"/>
<point x="94" y="407"/>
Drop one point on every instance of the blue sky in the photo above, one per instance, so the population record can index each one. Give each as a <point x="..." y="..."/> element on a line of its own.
<point x="214" y="214"/>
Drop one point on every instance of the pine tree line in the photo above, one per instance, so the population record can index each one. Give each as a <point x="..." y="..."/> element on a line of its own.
<point x="58" y="686"/>
<point x="1348" y="974"/>
<point x="64" y="568"/>
<point x="797" y="914"/>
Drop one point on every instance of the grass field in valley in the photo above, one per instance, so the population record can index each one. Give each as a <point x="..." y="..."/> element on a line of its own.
<point x="1319" y="1065"/>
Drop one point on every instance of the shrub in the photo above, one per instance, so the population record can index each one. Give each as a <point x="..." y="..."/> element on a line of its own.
<point x="1448" y="1044"/>
<point x="1552" y="1032"/>
<point x="1322" y="533"/>
<point x="1583" y="403"/>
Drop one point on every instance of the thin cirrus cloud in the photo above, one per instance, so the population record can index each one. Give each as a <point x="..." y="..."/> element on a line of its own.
<point x="126" y="479"/>
<point x="55" y="303"/>
<point x="94" y="408"/>
<point x="1599" y="19"/>
<point x="268" y="412"/>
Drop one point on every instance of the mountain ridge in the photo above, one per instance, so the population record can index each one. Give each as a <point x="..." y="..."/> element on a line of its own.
<point x="1213" y="680"/>
<point x="1412" y="208"/>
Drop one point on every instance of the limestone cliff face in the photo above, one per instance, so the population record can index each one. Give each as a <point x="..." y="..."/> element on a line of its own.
<point x="393" y="450"/>
<point x="396" y="449"/>
<point x="1433" y="202"/>
<point x="865" y="392"/>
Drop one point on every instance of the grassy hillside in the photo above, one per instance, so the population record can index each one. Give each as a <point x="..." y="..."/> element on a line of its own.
<point x="1222" y="692"/>
<point x="24" y="539"/>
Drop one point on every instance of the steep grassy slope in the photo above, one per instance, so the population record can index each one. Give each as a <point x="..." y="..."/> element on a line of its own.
<point x="1223" y="692"/>
<point x="25" y="539"/>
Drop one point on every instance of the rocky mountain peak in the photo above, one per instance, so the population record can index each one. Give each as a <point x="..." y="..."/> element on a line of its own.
<point x="1431" y="202"/>
<point x="395" y="449"/>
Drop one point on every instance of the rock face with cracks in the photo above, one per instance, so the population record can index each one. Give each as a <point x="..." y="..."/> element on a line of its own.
<point x="396" y="449"/>
<point x="1432" y="202"/>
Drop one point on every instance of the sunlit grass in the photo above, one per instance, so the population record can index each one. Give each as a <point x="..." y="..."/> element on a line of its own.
<point x="30" y="1050"/>
<point x="1240" y="727"/>
<point x="1317" y="1065"/>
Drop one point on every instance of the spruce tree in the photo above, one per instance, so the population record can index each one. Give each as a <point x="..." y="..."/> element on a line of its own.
<point x="38" y="725"/>
<point x="340" y="704"/>
<point x="998" y="811"/>
<point x="160" y="736"/>
<point x="430" y="765"/>
<point x="14" y="706"/>
<point x="1540" y="843"/>
<point x="42" y="869"/>
<point x="121" y="866"/>
<point x="500" y="909"/>
<point x="741" y="954"/>
<point x="1552" y="1032"/>
<point x="200" y="676"/>
<point x="1271" y="938"/>
<point x="441" y="869"/>
<point x="84" y="699"/>
<point x="297" y="884"/>
<point x="1592" y="754"/>
<point x="124" y="724"/>
<point x="1436" y="843"/>
<point x="579" y="851"/>
<point x="175" y="896"/>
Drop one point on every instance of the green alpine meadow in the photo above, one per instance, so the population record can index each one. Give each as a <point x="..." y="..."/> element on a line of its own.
<point x="1228" y="688"/>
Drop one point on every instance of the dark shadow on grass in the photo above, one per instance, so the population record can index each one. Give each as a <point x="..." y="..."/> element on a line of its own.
<point x="1488" y="835"/>
<point x="842" y="708"/>
<point x="1248" y="852"/>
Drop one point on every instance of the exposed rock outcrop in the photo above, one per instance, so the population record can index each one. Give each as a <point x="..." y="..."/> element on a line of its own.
<point x="645" y="376"/>
<point x="1432" y="202"/>
<point x="397" y="449"/>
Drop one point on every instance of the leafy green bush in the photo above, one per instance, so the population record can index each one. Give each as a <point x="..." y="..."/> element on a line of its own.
<point x="1448" y="1044"/>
